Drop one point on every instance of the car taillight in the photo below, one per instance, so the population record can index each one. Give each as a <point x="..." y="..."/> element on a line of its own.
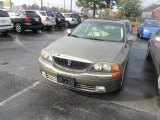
<point x="27" y="19"/>
<point x="47" y="19"/>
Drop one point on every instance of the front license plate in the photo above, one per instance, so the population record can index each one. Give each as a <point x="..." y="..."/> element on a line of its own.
<point x="66" y="80"/>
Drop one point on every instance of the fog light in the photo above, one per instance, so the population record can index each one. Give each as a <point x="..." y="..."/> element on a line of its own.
<point x="100" y="89"/>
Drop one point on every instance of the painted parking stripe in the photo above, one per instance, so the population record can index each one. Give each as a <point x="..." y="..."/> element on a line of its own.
<point x="19" y="93"/>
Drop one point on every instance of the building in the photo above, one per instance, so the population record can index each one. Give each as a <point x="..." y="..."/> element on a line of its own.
<point x="152" y="11"/>
<point x="1" y="5"/>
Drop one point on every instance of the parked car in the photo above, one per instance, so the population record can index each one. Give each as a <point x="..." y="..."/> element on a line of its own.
<point x="48" y="20"/>
<point x="147" y="28"/>
<point x="70" y="19"/>
<point x="83" y="17"/>
<point x="25" y="20"/>
<point x="78" y="17"/>
<point x="5" y="22"/>
<point x="60" y="20"/>
<point x="153" y="53"/>
<point x="91" y="58"/>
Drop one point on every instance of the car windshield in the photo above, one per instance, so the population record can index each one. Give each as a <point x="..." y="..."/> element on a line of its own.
<point x="3" y="14"/>
<point x="99" y="30"/>
<point x="49" y="14"/>
<point x="151" y="24"/>
<point x="31" y="14"/>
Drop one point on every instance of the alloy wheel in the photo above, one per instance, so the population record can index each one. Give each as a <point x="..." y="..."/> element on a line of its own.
<point x="18" y="28"/>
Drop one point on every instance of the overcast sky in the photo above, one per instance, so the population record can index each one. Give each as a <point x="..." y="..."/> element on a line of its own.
<point x="55" y="3"/>
<point x="60" y="3"/>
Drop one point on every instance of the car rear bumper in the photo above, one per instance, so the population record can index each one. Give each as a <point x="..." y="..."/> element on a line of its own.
<point x="49" y="24"/>
<point x="35" y="27"/>
<point x="83" y="81"/>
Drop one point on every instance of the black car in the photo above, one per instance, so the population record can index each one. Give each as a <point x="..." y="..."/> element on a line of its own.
<point x="60" y="20"/>
<point x="25" y="20"/>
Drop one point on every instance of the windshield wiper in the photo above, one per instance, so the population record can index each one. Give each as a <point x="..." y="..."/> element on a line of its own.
<point x="95" y="39"/>
<point x="74" y="36"/>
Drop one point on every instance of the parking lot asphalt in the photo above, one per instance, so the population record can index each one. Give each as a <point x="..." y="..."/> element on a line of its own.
<point x="25" y="95"/>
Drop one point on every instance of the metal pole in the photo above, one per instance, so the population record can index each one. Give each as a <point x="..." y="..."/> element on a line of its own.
<point x="71" y="6"/>
<point x="41" y="4"/>
<point x="64" y="6"/>
<point x="10" y="4"/>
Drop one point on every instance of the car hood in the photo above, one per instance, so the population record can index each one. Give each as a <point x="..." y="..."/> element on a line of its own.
<point x="151" y="29"/>
<point x="90" y="50"/>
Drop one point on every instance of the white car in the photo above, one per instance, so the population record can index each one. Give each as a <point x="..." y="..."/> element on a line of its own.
<point x="47" y="19"/>
<point x="5" y="22"/>
<point x="70" y="19"/>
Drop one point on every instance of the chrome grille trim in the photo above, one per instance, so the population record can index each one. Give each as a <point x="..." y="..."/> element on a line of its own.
<point x="71" y="64"/>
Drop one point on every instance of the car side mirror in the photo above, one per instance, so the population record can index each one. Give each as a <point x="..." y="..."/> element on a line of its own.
<point x="132" y="38"/>
<point x="69" y="31"/>
<point x="157" y="39"/>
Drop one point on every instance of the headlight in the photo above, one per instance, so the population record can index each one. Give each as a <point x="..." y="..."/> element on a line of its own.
<point x="106" y="67"/>
<point x="145" y="30"/>
<point x="46" y="56"/>
<point x="98" y="67"/>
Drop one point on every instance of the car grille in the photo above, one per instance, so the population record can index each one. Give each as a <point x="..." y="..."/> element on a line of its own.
<point x="71" y="64"/>
<point x="88" y="88"/>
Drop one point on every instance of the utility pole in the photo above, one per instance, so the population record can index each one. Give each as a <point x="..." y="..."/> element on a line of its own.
<point x="10" y="4"/>
<point x="64" y="5"/>
<point x="48" y="6"/>
<point x="41" y="4"/>
<point x="71" y="6"/>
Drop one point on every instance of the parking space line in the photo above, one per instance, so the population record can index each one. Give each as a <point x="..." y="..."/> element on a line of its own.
<point x="19" y="43"/>
<point x="19" y="93"/>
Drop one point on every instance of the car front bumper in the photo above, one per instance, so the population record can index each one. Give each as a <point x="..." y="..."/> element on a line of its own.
<point x="146" y="35"/>
<point x="87" y="82"/>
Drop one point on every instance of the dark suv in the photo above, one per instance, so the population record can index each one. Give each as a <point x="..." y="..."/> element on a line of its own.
<point x="60" y="20"/>
<point x="25" y="20"/>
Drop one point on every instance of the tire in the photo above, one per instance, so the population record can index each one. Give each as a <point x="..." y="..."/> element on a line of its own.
<point x="67" y="24"/>
<point x="34" y="31"/>
<point x="48" y="27"/>
<point x="159" y="84"/>
<point x="148" y="54"/>
<point x="141" y="35"/>
<point x="18" y="28"/>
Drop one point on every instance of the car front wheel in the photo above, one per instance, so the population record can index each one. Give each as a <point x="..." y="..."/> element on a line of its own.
<point x="18" y="28"/>
<point x="141" y="35"/>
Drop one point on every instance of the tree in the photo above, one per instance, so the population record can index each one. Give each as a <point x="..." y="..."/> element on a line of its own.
<point x="24" y="6"/>
<point x="91" y="5"/>
<point x="130" y="8"/>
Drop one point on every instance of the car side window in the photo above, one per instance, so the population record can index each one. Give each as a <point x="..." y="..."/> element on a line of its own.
<point x="42" y="13"/>
<point x="3" y="13"/>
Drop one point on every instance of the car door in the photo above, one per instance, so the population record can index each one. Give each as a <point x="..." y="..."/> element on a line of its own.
<point x="4" y="19"/>
<point x="155" y="51"/>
